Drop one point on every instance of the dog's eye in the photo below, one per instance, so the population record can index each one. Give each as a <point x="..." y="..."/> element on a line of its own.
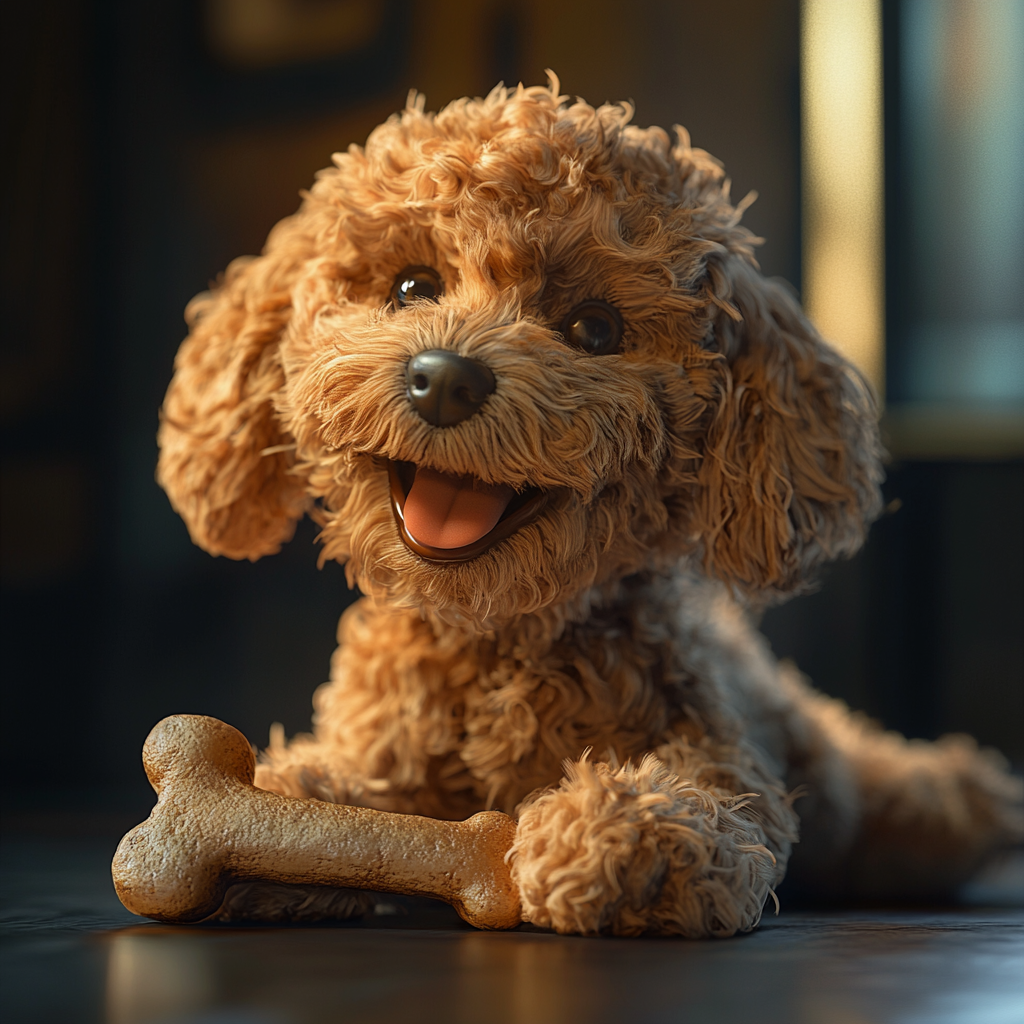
<point x="416" y="283"/>
<point x="595" y="327"/>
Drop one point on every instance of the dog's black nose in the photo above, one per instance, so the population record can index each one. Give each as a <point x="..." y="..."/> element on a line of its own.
<point x="447" y="388"/>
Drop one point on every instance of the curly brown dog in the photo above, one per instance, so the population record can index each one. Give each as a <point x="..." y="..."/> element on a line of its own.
<point x="518" y="361"/>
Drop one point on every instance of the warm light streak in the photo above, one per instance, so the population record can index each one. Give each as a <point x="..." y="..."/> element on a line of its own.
<point x="843" y="255"/>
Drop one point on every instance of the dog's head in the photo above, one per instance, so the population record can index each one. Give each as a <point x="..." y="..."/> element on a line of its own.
<point x="509" y="353"/>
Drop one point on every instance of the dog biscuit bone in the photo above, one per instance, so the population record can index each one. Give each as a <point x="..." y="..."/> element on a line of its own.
<point x="211" y="827"/>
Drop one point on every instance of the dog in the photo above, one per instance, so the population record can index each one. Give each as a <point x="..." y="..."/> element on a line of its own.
<point x="518" y="362"/>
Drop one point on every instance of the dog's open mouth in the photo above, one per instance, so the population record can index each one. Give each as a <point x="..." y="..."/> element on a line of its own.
<point x="449" y="518"/>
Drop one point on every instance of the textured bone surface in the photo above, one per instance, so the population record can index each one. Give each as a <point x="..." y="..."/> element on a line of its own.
<point x="211" y="827"/>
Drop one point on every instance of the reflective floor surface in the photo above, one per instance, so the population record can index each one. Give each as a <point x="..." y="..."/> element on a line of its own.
<point x="71" y="953"/>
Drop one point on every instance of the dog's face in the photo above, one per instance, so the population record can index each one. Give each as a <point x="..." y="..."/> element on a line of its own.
<point x="512" y="352"/>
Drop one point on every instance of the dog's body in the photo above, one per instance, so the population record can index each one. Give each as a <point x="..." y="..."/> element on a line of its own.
<point x="518" y="362"/>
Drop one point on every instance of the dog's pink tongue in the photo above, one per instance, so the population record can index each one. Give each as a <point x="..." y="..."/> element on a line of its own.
<point x="445" y="511"/>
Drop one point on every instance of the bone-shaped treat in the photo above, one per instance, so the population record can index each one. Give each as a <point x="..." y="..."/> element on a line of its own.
<point x="212" y="827"/>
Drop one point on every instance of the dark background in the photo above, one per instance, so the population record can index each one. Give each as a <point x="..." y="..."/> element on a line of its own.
<point x="149" y="150"/>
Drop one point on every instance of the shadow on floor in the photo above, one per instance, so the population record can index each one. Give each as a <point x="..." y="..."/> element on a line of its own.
<point x="69" y="952"/>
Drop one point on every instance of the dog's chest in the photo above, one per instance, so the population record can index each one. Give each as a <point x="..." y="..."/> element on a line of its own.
<point x="498" y="715"/>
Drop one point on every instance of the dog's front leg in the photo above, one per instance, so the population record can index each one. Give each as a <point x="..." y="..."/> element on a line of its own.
<point x="643" y="849"/>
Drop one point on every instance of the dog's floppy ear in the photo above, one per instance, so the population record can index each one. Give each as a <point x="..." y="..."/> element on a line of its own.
<point x="791" y="467"/>
<point x="219" y="429"/>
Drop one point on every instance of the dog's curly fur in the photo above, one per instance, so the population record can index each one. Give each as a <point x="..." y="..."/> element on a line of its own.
<point x="595" y="673"/>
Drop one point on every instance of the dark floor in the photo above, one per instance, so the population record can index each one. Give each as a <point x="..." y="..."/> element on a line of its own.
<point x="71" y="953"/>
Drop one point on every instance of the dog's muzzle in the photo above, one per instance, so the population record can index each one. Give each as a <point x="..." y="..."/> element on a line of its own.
<point x="440" y="516"/>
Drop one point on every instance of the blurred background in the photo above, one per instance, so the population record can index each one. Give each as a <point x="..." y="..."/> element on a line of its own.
<point x="149" y="144"/>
